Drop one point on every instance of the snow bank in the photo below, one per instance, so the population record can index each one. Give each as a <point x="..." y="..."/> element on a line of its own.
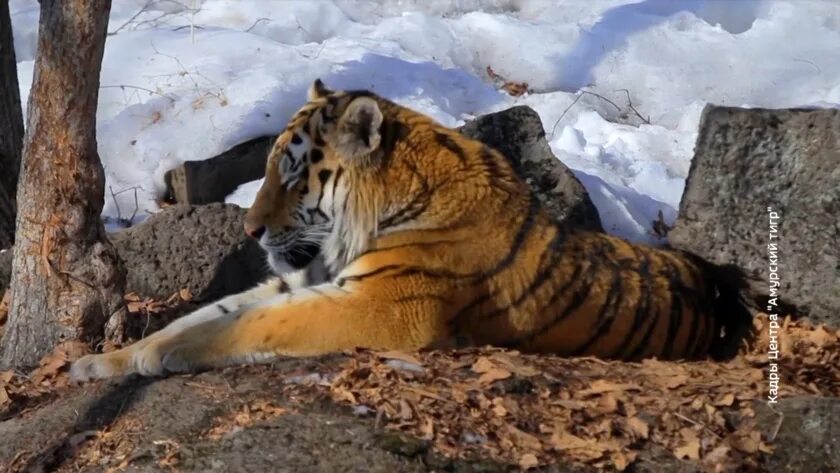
<point x="184" y="84"/>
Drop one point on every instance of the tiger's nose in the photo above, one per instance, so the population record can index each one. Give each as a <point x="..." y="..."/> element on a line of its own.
<point x="254" y="231"/>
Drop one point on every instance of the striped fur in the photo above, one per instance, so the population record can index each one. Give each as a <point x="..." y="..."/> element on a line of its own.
<point x="433" y="241"/>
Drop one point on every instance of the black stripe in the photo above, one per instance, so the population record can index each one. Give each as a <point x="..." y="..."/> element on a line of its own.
<point x="338" y="174"/>
<point x="324" y="176"/>
<point x="643" y="343"/>
<point x="222" y="308"/>
<point x="434" y="273"/>
<point x="419" y="204"/>
<point x="580" y="295"/>
<point x="703" y="309"/>
<point x="675" y="320"/>
<point x="693" y="292"/>
<point x="392" y="132"/>
<point x="320" y="293"/>
<point x="449" y="143"/>
<point x="518" y="240"/>
<point x="282" y="286"/>
<point x="454" y="321"/>
<point x="419" y="244"/>
<point x="317" y="212"/>
<point x="553" y="250"/>
<point x="379" y="270"/>
<point x="606" y="314"/>
<point x="689" y="289"/>
<point x="491" y="158"/>
<point x="577" y="300"/>
<point x="316" y="155"/>
<point x="594" y="258"/>
<point x="421" y="297"/>
<point x="691" y="343"/>
<point x="643" y="304"/>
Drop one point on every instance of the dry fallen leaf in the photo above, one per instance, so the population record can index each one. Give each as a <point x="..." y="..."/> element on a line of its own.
<point x="427" y="428"/>
<point x="606" y="404"/>
<point x="691" y="447"/>
<point x="603" y="386"/>
<point x="638" y="427"/>
<point x="54" y="362"/>
<point x="622" y="460"/>
<point x="4" y="306"/>
<point x="399" y="355"/>
<point x="689" y="451"/>
<point x="523" y="439"/>
<point x="185" y="294"/>
<point x="515" y="365"/>
<point x="726" y="400"/>
<point x="513" y="88"/>
<point x="675" y="381"/>
<point x="820" y="336"/>
<point x="492" y="375"/>
<point x="718" y="455"/>
<point x="6" y="376"/>
<point x="528" y="461"/>
<point x="482" y="365"/>
<point x="747" y="443"/>
<point x="586" y="449"/>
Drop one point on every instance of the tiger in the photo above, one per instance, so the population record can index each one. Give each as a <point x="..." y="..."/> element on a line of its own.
<point x="428" y="240"/>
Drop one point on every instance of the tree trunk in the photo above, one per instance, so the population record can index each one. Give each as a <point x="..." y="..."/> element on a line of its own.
<point x="66" y="277"/>
<point x="11" y="128"/>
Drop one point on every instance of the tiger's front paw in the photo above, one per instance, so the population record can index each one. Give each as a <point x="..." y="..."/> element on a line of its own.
<point x="160" y="358"/>
<point x="90" y="367"/>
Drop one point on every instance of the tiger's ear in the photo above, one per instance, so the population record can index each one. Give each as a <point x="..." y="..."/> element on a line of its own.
<point x="357" y="134"/>
<point x="318" y="90"/>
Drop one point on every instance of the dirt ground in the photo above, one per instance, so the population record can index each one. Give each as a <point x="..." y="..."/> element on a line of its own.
<point x="476" y="410"/>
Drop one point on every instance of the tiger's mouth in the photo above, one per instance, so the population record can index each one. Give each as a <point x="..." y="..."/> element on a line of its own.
<point x="301" y="255"/>
<point x="292" y="250"/>
<point x="291" y="257"/>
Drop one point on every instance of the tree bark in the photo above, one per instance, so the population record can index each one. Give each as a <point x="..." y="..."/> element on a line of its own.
<point x="66" y="277"/>
<point x="11" y="128"/>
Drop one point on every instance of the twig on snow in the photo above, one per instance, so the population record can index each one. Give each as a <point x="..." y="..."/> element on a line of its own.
<point x="630" y="104"/>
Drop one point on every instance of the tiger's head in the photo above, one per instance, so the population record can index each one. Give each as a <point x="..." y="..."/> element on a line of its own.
<point x="305" y="205"/>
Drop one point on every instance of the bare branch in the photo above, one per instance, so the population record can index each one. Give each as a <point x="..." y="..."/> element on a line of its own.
<point x="258" y="21"/>
<point x="123" y="87"/>
<point x="630" y="104"/>
<point x="580" y="94"/>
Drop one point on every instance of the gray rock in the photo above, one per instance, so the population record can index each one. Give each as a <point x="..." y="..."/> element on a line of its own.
<point x="201" y="248"/>
<point x="805" y="432"/>
<point x="518" y="133"/>
<point x="747" y="161"/>
<point x="211" y="180"/>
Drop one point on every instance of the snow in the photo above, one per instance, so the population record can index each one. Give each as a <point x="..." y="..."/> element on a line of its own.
<point x="186" y="80"/>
